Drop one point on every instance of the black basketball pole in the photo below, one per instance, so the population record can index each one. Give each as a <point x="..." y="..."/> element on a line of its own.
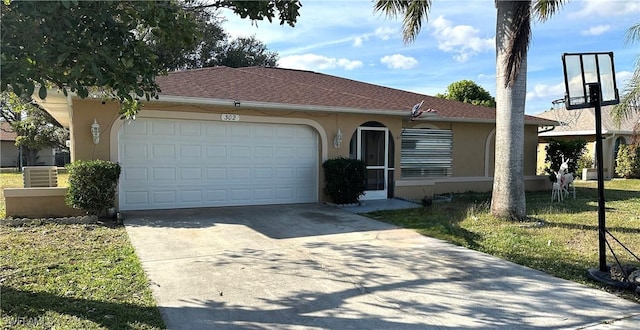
<point x="595" y="98"/>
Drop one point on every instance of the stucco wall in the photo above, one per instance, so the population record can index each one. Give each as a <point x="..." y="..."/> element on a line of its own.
<point x="472" y="146"/>
<point x="38" y="203"/>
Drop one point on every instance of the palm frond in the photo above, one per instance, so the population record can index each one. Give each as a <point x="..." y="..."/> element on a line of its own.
<point x="633" y="34"/>
<point x="544" y="9"/>
<point x="519" y="40"/>
<point x="630" y="101"/>
<point x="414" y="12"/>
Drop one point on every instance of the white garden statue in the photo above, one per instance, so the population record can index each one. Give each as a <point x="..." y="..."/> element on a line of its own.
<point x="564" y="180"/>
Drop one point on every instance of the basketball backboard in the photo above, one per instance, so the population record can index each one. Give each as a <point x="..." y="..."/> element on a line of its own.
<point x="581" y="69"/>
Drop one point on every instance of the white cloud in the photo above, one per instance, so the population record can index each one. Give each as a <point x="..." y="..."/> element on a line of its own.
<point x="543" y="91"/>
<point x="317" y="62"/>
<point x="596" y="30"/>
<point x="622" y="78"/>
<point x="357" y="41"/>
<point x="607" y="8"/>
<point x="462" y="40"/>
<point x="385" y="32"/>
<point x="397" y="61"/>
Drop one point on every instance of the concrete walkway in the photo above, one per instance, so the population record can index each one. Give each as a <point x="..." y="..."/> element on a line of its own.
<point x="313" y="266"/>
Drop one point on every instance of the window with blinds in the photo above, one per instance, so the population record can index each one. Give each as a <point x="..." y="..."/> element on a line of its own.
<point x="426" y="153"/>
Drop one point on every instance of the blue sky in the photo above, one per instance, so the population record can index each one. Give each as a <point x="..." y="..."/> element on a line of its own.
<point x="347" y="39"/>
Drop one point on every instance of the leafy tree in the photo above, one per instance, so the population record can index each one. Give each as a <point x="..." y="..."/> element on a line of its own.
<point x="243" y="52"/>
<point x="35" y="128"/>
<point x="468" y="91"/>
<point x="75" y="45"/>
<point x="214" y="47"/>
<point x="513" y="36"/>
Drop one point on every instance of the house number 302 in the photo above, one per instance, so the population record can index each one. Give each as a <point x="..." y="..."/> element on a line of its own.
<point x="229" y="117"/>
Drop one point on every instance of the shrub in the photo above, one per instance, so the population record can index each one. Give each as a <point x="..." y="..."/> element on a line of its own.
<point x="92" y="185"/>
<point x="344" y="179"/>
<point x="585" y="161"/>
<point x="569" y="149"/>
<point x="628" y="161"/>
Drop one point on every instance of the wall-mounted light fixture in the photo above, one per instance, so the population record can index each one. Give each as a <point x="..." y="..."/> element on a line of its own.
<point x="337" y="140"/>
<point x="95" y="131"/>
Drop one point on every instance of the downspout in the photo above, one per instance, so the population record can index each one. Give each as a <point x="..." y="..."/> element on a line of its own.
<point x="72" y="144"/>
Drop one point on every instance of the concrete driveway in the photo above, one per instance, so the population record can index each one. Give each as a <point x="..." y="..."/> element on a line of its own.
<point x="313" y="266"/>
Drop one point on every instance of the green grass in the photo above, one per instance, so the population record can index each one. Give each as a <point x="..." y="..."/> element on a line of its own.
<point x="73" y="277"/>
<point x="14" y="180"/>
<point x="559" y="238"/>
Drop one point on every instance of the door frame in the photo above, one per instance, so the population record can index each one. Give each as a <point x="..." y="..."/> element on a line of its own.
<point x="375" y="194"/>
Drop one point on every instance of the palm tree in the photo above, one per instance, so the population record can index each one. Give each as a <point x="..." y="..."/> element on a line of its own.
<point x="630" y="102"/>
<point x="513" y="36"/>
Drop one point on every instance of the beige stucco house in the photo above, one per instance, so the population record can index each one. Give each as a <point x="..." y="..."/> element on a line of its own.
<point x="581" y="124"/>
<point x="246" y="136"/>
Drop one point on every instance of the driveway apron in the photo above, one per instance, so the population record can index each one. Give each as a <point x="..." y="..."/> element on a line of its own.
<point x="312" y="266"/>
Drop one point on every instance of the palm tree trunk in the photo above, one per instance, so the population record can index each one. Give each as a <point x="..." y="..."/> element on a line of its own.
<point x="508" y="198"/>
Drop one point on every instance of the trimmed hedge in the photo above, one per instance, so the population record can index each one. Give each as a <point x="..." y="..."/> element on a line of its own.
<point x="628" y="162"/>
<point x="92" y="185"/>
<point x="345" y="179"/>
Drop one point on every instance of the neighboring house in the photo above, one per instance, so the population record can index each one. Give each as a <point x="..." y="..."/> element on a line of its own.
<point x="247" y="136"/>
<point x="581" y="124"/>
<point x="9" y="153"/>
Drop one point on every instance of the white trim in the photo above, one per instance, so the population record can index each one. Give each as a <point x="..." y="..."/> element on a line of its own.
<point x="115" y="128"/>
<point x="375" y="194"/>
<point x="487" y="148"/>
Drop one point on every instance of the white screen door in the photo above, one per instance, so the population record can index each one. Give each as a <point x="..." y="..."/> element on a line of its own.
<point x="373" y="144"/>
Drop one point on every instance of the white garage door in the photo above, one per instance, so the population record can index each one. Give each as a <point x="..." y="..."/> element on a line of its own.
<point x="186" y="163"/>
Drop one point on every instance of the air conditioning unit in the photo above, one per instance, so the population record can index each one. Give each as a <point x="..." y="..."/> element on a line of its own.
<point x="40" y="176"/>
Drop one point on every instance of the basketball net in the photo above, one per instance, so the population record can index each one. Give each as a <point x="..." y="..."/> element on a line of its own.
<point x="566" y="118"/>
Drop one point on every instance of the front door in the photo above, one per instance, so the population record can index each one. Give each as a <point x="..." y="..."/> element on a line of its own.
<point x="373" y="144"/>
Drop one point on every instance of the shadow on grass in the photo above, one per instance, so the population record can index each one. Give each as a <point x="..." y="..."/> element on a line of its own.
<point x="439" y="220"/>
<point x="28" y="308"/>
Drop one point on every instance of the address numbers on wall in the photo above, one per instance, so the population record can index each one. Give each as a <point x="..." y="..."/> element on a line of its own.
<point x="229" y="117"/>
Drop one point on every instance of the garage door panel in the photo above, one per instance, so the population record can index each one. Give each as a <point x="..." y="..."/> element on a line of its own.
<point x="173" y="164"/>
<point x="191" y="151"/>
<point x="216" y="152"/>
<point x="167" y="197"/>
<point x="191" y="196"/>
<point x="135" y="151"/>
<point x="163" y="128"/>
<point x="191" y="173"/>
<point x="163" y="152"/>
<point x="190" y="129"/>
<point x="216" y="129"/>
<point x="216" y="173"/>
<point x="243" y="152"/>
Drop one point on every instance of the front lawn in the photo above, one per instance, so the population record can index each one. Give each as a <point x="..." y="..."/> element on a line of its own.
<point x="73" y="277"/>
<point x="560" y="238"/>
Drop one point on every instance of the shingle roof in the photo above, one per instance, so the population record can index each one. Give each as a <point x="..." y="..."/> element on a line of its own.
<point x="586" y="121"/>
<point x="307" y="88"/>
<point x="6" y="133"/>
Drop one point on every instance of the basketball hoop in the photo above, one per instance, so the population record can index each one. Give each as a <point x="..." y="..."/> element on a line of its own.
<point x="566" y="118"/>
